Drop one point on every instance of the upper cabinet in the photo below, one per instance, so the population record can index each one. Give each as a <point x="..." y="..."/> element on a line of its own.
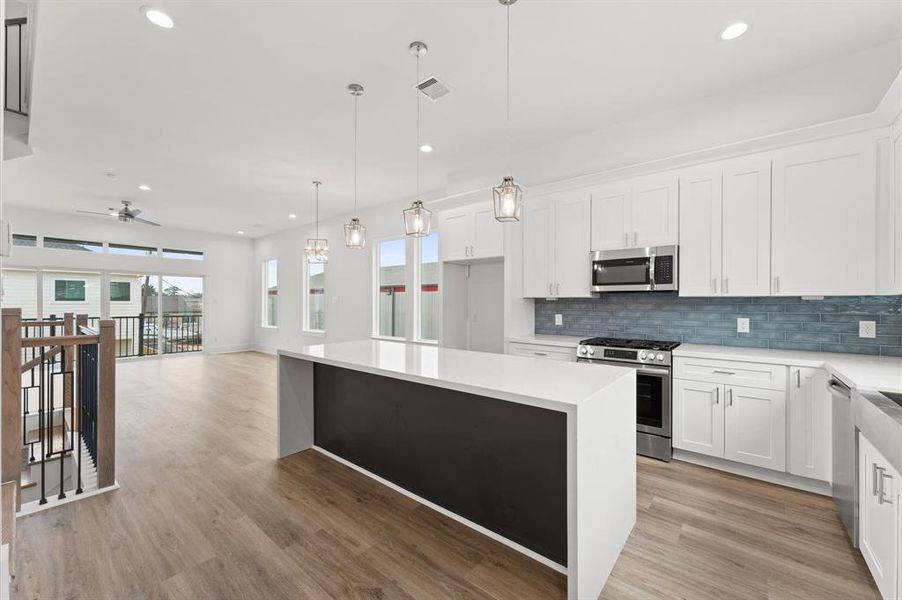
<point x="556" y="246"/>
<point x="824" y="218"/>
<point x="640" y="212"/>
<point x="470" y="232"/>
<point x="725" y="229"/>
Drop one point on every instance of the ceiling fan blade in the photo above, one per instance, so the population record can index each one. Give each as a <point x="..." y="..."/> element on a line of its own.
<point x="135" y="212"/>
<point x="92" y="212"/>
<point x="146" y="222"/>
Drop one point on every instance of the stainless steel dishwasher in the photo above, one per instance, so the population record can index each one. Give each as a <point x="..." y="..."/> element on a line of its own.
<point x="845" y="458"/>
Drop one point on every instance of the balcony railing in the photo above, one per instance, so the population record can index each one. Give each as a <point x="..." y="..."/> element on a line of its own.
<point x="141" y="335"/>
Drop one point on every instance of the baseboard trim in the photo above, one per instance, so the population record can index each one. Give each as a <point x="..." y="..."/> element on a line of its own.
<point x="785" y="479"/>
<point x="475" y="526"/>
<point x="230" y="349"/>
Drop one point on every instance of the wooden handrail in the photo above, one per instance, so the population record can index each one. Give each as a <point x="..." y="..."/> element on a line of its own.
<point x="60" y="340"/>
<point x="28" y="366"/>
<point x="44" y="323"/>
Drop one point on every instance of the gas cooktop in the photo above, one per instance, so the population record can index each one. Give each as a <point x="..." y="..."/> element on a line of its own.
<point x="631" y="344"/>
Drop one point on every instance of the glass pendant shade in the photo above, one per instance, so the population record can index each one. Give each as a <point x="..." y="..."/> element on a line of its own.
<point x="355" y="234"/>
<point x="417" y="220"/>
<point x="317" y="250"/>
<point x="508" y="200"/>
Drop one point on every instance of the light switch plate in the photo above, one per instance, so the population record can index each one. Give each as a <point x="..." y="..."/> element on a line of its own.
<point x="558" y="319"/>
<point x="867" y="329"/>
<point x="742" y="325"/>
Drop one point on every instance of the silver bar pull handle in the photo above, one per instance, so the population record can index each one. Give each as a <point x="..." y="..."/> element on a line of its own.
<point x="875" y="476"/>
<point x="726" y="285"/>
<point x="777" y="283"/>
<point x="714" y="285"/>
<point x="626" y="239"/>
<point x="550" y="292"/>
<point x="730" y="396"/>
<point x="717" y="395"/>
<point x="798" y="378"/>
<point x="883" y="497"/>
<point x="635" y="238"/>
<point x="540" y="353"/>
<point x="724" y="372"/>
<point x="557" y="289"/>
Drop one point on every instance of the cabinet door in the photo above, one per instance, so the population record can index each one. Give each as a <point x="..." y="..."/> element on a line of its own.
<point x="654" y="211"/>
<point x="610" y="218"/>
<point x="810" y="424"/>
<point x="755" y="426"/>
<point x="572" y="265"/>
<point x="746" y="228"/>
<point x="698" y="417"/>
<point x="824" y="203"/>
<point x="878" y="517"/>
<point x="538" y="248"/>
<point x="700" y="227"/>
<point x="488" y="234"/>
<point x="455" y="234"/>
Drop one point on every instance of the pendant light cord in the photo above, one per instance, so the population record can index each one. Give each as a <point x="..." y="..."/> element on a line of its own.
<point x="355" y="155"/>
<point x="417" y="149"/>
<point x="317" y="210"/>
<point x="508" y="125"/>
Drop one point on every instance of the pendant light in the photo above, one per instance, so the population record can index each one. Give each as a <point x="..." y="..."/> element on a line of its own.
<point x="317" y="249"/>
<point x="417" y="218"/>
<point x="355" y="232"/>
<point x="508" y="197"/>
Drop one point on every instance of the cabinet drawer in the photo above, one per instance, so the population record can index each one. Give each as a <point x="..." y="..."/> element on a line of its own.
<point x="543" y="351"/>
<point x="756" y="375"/>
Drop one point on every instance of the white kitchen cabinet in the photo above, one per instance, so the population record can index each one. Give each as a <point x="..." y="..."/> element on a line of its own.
<point x="610" y="218"/>
<point x="879" y="517"/>
<point x="725" y="229"/>
<point x="548" y="351"/>
<point x="810" y="424"/>
<point x="636" y="213"/>
<point x="470" y="232"/>
<point x="755" y="426"/>
<point x="824" y="218"/>
<point x="698" y="414"/>
<point x="556" y="246"/>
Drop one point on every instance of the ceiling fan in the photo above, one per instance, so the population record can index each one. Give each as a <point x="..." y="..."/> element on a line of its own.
<point x="126" y="214"/>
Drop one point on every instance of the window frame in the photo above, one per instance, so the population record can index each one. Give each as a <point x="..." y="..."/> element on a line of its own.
<point x="94" y="247"/>
<point x="265" y="294"/>
<point x="418" y="289"/>
<point x="148" y="251"/>
<point x="197" y="255"/>
<point x="25" y="237"/>
<point x="84" y="289"/>
<point x="129" y="295"/>
<point x="377" y="245"/>
<point x="305" y="300"/>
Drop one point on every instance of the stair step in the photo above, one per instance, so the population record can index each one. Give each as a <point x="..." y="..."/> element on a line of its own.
<point x="61" y="438"/>
<point x="25" y="480"/>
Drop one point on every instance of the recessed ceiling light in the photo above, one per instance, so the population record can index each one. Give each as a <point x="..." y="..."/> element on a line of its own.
<point x="240" y="232"/>
<point x="157" y="17"/>
<point x="144" y="188"/>
<point x="426" y="148"/>
<point x="292" y="216"/>
<point x="734" y="31"/>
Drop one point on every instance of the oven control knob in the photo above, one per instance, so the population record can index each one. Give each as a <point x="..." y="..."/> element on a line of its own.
<point x="642" y="355"/>
<point x="660" y="357"/>
<point x="591" y="351"/>
<point x="582" y="350"/>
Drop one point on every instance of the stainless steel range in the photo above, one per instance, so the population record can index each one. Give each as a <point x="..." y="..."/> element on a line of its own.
<point x="652" y="361"/>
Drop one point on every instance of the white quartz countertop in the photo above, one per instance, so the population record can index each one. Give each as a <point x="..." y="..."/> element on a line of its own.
<point x="865" y="373"/>
<point x="537" y="381"/>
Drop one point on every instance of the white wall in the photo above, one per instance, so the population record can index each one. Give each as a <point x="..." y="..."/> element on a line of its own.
<point x="230" y="285"/>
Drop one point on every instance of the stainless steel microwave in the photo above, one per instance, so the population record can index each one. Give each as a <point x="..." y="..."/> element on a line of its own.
<point x="636" y="269"/>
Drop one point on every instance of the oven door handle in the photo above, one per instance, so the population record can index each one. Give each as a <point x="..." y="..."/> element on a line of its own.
<point x="653" y="370"/>
<point x="651" y="271"/>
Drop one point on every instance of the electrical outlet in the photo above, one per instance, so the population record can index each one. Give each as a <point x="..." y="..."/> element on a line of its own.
<point x="867" y="329"/>
<point x="742" y="325"/>
<point x="558" y="319"/>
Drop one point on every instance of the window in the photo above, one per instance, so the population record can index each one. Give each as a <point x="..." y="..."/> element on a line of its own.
<point x="391" y="261"/>
<point x="270" y="293"/>
<point x="428" y="288"/>
<point x="315" y="297"/>
<point x="69" y="290"/>
<point x="80" y="245"/>
<point x="25" y="240"/>
<point x="120" y="291"/>
<point x="182" y="254"/>
<point x="126" y="250"/>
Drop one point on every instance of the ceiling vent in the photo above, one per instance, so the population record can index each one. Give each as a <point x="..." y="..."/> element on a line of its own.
<point x="433" y="89"/>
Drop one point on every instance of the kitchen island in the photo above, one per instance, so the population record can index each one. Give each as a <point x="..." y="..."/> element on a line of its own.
<point x="537" y="454"/>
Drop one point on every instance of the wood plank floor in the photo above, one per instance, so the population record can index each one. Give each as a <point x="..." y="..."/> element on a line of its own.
<point x="204" y="511"/>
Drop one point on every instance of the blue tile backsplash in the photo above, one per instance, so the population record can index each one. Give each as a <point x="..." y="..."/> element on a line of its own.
<point x="827" y="325"/>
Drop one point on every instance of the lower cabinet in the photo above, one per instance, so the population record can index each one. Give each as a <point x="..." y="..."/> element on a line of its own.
<point x="880" y="530"/>
<point x="738" y="423"/>
<point x="810" y="443"/>
<point x="543" y="351"/>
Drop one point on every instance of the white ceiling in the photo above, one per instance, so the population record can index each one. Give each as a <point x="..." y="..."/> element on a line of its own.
<point x="231" y="114"/>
